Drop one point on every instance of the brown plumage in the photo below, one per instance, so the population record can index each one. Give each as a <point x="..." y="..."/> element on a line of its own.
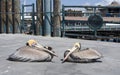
<point x="32" y="53"/>
<point x="77" y="55"/>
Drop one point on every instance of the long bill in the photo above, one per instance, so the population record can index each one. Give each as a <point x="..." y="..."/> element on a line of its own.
<point x="71" y="51"/>
<point x="40" y="46"/>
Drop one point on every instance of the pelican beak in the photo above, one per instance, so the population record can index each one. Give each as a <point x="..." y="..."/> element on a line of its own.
<point x="40" y="46"/>
<point x="71" y="51"/>
<point x="36" y="44"/>
<point x="76" y="46"/>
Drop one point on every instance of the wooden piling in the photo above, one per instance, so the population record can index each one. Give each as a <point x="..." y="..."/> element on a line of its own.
<point x="3" y="17"/>
<point x="9" y="9"/>
<point x="56" y="18"/>
<point x="39" y="24"/>
<point x="15" y="15"/>
<point x="8" y="15"/>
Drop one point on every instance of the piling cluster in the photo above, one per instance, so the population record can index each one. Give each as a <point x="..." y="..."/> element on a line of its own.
<point x="48" y="17"/>
<point x="9" y="16"/>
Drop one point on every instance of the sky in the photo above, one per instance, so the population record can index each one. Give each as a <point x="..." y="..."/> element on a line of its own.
<point x="76" y="2"/>
<point x="79" y="2"/>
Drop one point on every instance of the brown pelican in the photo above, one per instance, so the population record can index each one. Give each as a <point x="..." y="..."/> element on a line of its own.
<point x="77" y="55"/>
<point x="33" y="52"/>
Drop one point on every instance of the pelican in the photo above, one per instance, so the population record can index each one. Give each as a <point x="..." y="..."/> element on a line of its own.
<point x="75" y="54"/>
<point x="33" y="52"/>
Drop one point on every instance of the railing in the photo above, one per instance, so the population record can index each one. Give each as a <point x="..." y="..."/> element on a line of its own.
<point x="77" y="20"/>
<point x="86" y="28"/>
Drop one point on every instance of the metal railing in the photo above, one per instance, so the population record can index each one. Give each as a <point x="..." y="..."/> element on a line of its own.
<point x="79" y="23"/>
<point x="86" y="28"/>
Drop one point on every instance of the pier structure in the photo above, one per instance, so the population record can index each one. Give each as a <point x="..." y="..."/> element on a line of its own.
<point x="76" y="23"/>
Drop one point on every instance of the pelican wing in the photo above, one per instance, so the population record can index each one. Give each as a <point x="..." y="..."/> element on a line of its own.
<point x="29" y="54"/>
<point x="88" y="54"/>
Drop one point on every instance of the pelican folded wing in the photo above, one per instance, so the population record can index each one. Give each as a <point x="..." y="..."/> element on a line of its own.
<point x="27" y="53"/>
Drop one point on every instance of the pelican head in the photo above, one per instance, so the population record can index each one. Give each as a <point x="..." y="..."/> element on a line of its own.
<point x="76" y="46"/>
<point x="31" y="42"/>
<point x="34" y="43"/>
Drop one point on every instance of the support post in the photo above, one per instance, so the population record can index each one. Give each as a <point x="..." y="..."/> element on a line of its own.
<point x="95" y="30"/>
<point x="47" y="20"/>
<point x="22" y="26"/>
<point x="95" y="33"/>
<point x="6" y="23"/>
<point x="9" y="16"/>
<point x="39" y="25"/>
<point x="13" y="17"/>
<point x="33" y="19"/>
<point x="17" y="15"/>
<point x="1" y="17"/>
<point x="63" y="23"/>
<point x="56" y="20"/>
